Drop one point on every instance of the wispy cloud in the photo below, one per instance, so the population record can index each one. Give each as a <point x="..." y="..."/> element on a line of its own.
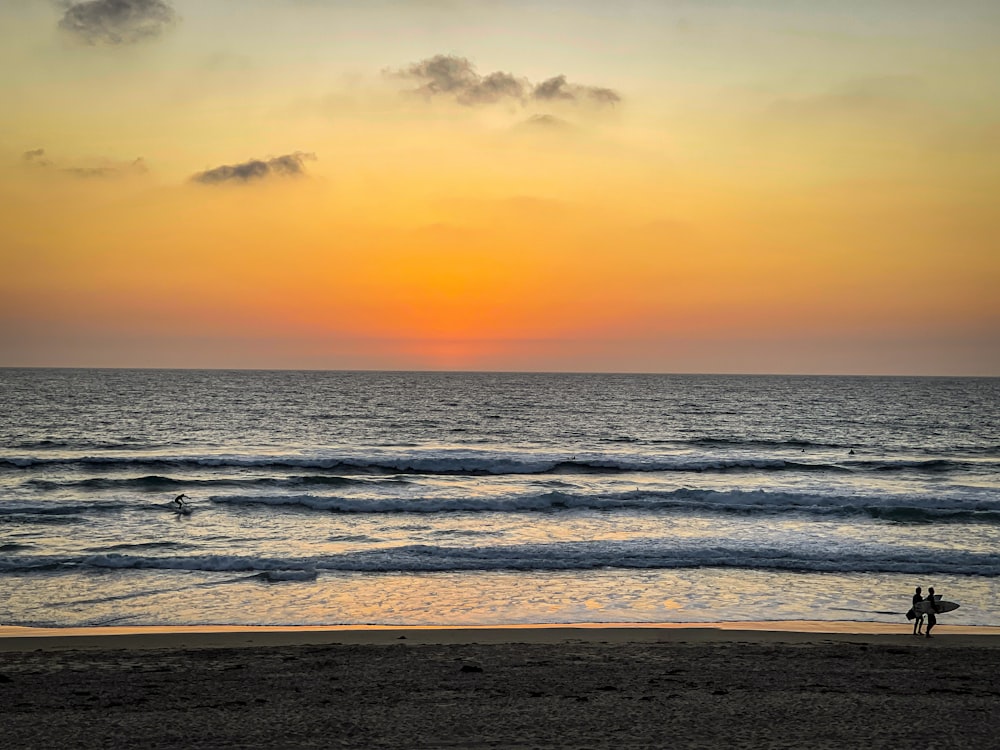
<point x="91" y="168"/>
<point x="117" y="22"/>
<point x="457" y="78"/>
<point x="545" y="122"/>
<point x="289" y="165"/>
<point x="862" y="96"/>
<point x="136" y="167"/>
<point x="36" y="156"/>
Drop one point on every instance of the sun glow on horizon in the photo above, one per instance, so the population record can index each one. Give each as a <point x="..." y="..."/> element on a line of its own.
<point x="294" y="195"/>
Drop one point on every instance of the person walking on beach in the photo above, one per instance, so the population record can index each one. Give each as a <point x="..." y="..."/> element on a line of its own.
<point x="918" y="616"/>
<point x="932" y="612"/>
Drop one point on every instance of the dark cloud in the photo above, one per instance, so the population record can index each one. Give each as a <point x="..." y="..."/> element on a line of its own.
<point x="457" y="77"/>
<point x="443" y="73"/>
<point x="494" y="87"/>
<point x="557" y="87"/>
<point x="553" y="88"/>
<point x="115" y="22"/>
<point x="289" y="165"/>
<point x="36" y="156"/>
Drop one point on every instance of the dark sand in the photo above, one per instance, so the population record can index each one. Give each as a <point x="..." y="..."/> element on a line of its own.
<point x="509" y="688"/>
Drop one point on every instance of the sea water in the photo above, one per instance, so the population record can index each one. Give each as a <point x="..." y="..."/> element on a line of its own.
<point x="475" y="498"/>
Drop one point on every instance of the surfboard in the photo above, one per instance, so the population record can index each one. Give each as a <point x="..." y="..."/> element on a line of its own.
<point x="919" y="610"/>
<point x="923" y="608"/>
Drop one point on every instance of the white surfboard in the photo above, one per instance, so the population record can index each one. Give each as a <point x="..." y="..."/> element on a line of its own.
<point x="923" y="608"/>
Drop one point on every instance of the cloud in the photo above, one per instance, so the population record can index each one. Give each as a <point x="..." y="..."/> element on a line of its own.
<point x="457" y="78"/>
<point x="289" y="165"/>
<point x="494" y="87"/>
<point x="546" y="123"/>
<point x="36" y="156"/>
<point x="557" y="87"/>
<point x="90" y="168"/>
<point x="117" y="22"/>
<point x="136" y="167"/>
<point x="443" y="73"/>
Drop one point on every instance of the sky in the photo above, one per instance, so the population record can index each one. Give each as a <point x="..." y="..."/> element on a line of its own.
<point x="731" y="186"/>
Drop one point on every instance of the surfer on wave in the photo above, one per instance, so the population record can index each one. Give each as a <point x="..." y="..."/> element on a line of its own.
<point x="180" y="506"/>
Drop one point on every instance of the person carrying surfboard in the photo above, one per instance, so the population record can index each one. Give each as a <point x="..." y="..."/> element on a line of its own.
<point x="932" y="611"/>
<point x="918" y="616"/>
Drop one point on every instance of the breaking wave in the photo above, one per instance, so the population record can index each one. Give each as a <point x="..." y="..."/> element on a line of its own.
<point x="634" y="554"/>
<point x="902" y="509"/>
<point x="473" y="463"/>
<point x="156" y="483"/>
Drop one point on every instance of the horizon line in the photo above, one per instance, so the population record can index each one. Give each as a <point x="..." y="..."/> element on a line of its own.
<point x="416" y="371"/>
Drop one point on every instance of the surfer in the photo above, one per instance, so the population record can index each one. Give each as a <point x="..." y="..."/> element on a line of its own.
<point x="918" y="619"/>
<point x="180" y="506"/>
<point x="932" y="610"/>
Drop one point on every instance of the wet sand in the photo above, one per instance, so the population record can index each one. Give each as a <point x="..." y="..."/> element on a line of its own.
<point x="746" y="685"/>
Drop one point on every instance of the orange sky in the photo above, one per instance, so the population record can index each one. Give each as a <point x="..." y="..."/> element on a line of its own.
<point x="675" y="187"/>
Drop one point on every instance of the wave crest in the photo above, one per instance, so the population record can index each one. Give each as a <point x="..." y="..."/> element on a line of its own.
<point x="636" y="554"/>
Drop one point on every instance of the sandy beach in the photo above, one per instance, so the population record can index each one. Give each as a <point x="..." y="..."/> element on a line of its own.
<point x="743" y="685"/>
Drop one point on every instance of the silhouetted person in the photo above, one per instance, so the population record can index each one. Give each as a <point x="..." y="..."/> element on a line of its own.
<point x="181" y="506"/>
<point x="932" y="612"/>
<point x="918" y="616"/>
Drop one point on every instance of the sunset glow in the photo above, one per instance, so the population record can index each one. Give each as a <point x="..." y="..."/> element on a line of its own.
<point x="668" y="186"/>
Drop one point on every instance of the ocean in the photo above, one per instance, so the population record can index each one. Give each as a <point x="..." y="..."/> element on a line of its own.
<point x="396" y="498"/>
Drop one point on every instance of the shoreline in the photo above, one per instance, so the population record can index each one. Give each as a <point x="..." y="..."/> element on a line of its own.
<point x="16" y="638"/>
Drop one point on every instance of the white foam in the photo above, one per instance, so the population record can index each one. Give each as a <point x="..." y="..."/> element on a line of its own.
<point x="646" y="554"/>
<point x="917" y="507"/>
